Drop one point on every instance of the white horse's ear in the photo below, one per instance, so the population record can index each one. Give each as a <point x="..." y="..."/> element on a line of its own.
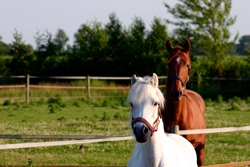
<point x="155" y="80"/>
<point x="133" y="80"/>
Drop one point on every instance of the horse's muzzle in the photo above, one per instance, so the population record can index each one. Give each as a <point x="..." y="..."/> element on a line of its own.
<point x="141" y="131"/>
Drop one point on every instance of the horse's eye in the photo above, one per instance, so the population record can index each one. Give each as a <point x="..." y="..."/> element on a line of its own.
<point x="131" y="104"/>
<point x="155" y="104"/>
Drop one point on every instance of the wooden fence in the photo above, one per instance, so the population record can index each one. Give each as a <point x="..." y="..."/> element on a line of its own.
<point x="88" y="87"/>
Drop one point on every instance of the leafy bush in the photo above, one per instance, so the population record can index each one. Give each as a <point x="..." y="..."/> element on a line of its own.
<point x="248" y="100"/>
<point x="220" y="99"/>
<point x="41" y="101"/>
<point x="52" y="109"/>
<point x="105" y="117"/>
<point x="77" y="104"/>
<point x="7" y="102"/>
<point x="61" y="119"/>
<point x="237" y="99"/>
<point x="234" y="107"/>
<point x="118" y="115"/>
<point x="208" y="101"/>
<point x="54" y="103"/>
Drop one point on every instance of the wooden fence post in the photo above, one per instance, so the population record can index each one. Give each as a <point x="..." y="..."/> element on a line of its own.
<point x="27" y="88"/>
<point x="88" y="87"/>
<point x="175" y="129"/>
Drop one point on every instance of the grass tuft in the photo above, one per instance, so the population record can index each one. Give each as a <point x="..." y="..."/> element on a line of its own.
<point x="7" y="102"/>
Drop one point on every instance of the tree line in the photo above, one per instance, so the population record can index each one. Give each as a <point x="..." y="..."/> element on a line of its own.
<point x="113" y="50"/>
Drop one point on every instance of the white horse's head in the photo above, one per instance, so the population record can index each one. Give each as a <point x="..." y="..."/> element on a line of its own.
<point x="146" y="101"/>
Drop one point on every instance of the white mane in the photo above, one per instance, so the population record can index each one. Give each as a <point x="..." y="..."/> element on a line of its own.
<point x="142" y="88"/>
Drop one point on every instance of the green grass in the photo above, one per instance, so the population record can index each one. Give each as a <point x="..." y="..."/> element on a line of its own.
<point x="108" y="117"/>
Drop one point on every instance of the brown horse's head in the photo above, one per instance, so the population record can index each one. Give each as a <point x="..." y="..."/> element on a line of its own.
<point x="179" y="66"/>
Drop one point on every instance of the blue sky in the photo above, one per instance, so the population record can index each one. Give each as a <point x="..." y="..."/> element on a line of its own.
<point x="29" y="16"/>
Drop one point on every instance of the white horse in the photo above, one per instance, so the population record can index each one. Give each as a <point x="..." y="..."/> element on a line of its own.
<point x="154" y="147"/>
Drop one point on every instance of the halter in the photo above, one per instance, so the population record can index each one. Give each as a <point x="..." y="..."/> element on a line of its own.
<point x="179" y="78"/>
<point x="156" y="122"/>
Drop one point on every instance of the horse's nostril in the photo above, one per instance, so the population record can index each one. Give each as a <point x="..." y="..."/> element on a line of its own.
<point x="145" y="130"/>
<point x="180" y="93"/>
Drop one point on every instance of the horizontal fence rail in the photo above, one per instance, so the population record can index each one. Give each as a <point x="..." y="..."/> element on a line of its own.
<point x="60" y="143"/>
<point x="116" y="78"/>
<point x="54" y="137"/>
<point x="12" y="86"/>
<point x="57" y="87"/>
<point x="88" y="87"/>
<point x="101" y="138"/>
<point x="214" y="130"/>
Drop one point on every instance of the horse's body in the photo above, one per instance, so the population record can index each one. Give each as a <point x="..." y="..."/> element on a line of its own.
<point x="155" y="148"/>
<point x="184" y="107"/>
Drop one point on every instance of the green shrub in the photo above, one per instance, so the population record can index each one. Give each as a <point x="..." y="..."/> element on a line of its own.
<point x="105" y="117"/>
<point x="52" y="109"/>
<point x="106" y="103"/>
<point x="234" y="107"/>
<point x="237" y="99"/>
<point x="220" y="99"/>
<point x="208" y="101"/>
<point x="24" y="120"/>
<point x="118" y="116"/>
<point x="77" y="104"/>
<point x="57" y="101"/>
<point x="41" y="101"/>
<point x="30" y="163"/>
<point x="248" y="100"/>
<point x="61" y="119"/>
<point x="7" y="102"/>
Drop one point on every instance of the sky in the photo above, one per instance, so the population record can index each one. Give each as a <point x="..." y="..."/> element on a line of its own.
<point x="29" y="16"/>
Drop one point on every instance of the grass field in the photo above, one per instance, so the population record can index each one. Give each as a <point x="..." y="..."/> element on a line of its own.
<point x="108" y="117"/>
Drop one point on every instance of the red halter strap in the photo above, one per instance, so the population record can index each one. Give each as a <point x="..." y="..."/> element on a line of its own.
<point x="156" y="123"/>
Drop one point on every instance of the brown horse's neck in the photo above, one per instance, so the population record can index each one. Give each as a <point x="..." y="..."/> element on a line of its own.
<point x="176" y="109"/>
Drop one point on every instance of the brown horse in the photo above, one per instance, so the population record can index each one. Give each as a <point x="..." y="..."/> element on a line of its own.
<point x="184" y="107"/>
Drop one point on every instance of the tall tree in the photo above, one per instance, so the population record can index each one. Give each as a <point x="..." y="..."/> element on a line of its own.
<point x="244" y="45"/>
<point x="4" y="48"/>
<point x="89" y="49"/>
<point x="46" y="55"/>
<point x="157" y="37"/>
<point x="22" y="56"/>
<point x="115" y="51"/>
<point x="138" y="36"/>
<point x="156" y="48"/>
<point x="207" y="22"/>
<point x="61" y="40"/>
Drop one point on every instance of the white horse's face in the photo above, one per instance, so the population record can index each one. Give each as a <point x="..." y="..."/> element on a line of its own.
<point x="145" y="102"/>
<point x="147" y="107"/>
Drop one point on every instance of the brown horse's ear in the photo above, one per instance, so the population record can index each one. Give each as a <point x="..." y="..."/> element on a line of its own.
<point x="187" y="46"/>
<point x="169" y="47"/>
<point x="133" y="80"/>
